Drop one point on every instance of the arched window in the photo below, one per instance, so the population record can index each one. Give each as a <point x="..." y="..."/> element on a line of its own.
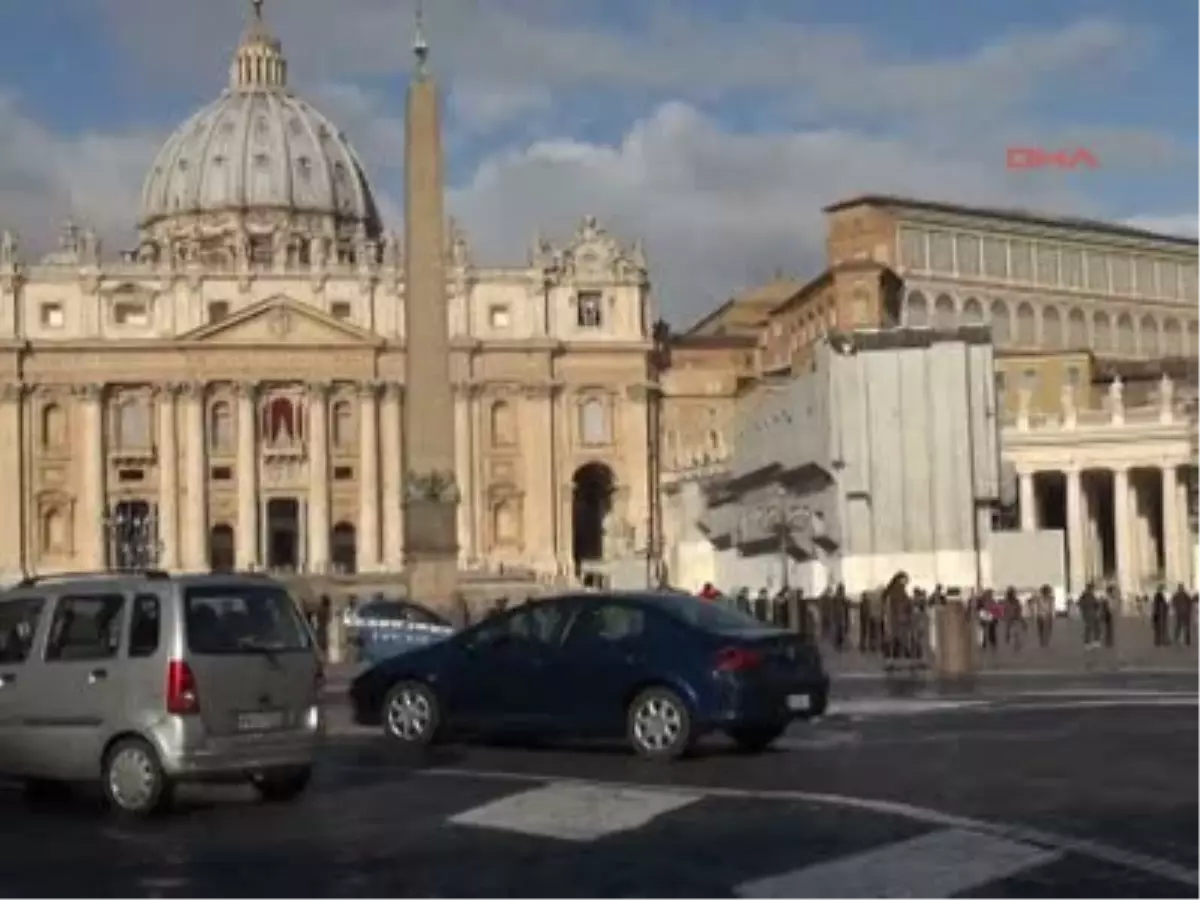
<point x="220" y="427"/>
<point x="343" y="424"/>
<point x="1173" y="334"/>
<point x="132" y="423"/>
<point x="593" y="423"/>
<point x="1102" y="325"/>
<point x="1126" y="338"/>
<point x="1001" y="323"/>
<point x="918" y="310"/>
<point x="944" y="315"/>
<point x="54" y="531"/>
<point x="972" y="313"/>
<point x="503" y="424"/>
<point x="1026" y="325"/>
<point x="1077" y="336"/>
<point x="1149" y="336"/>
<point x="54" y="426"/>
<point x="1052" y="331"/>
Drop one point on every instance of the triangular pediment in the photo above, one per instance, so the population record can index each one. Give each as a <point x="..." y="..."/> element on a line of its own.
<point x="280" y="320"/>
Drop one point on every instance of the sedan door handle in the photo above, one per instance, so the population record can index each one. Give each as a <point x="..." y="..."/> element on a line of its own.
<point x="7" y="678"/>
<point x="97" y="675"/>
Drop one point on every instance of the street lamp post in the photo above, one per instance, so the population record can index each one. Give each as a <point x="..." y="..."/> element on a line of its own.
<point x="131" y="532"/>
<point x="781" y="517"/>
<point x="660" y="361"/>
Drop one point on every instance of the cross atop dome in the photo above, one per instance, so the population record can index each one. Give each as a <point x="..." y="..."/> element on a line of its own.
<point x="258" y="64"/>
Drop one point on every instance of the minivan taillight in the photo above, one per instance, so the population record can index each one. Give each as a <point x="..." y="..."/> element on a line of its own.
<point x="737" y="659"/>
<point x="182" y="699"/>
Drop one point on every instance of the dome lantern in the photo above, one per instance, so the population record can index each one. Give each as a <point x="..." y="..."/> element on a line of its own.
<point x="258" y="64"/>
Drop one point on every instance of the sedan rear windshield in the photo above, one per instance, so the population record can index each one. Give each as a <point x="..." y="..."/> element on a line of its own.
<point x="230" y="619"/>
<point x="708" y="615"/>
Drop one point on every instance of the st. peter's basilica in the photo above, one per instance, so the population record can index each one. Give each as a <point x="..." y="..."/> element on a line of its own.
<point x="233" y="387"/>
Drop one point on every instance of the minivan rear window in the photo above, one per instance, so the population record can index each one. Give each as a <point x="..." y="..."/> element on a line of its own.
<point x="231" y="619"/>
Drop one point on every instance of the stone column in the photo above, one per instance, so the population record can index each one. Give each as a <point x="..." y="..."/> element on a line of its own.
<point x="368" y="477"/>
<point x="537" y="443"/>
<point x="1077" y="532"/>
<point x="247" y="477"/>
<point x="1172" y="526"/>
<point x="1123" y="529"/>
<point x="1027" y="501"/>
<point x="318" y="478"/>
<point x="168" y="477"/>
<point x="462" y="469"/>
<point x="12" y="549"/>
<point x="195" y="510"/>
<point x="391" y="447"/>
<point x="93" y="547"/>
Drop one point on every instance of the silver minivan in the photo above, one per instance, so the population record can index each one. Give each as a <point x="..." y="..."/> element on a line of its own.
<point x="144" y="680"/>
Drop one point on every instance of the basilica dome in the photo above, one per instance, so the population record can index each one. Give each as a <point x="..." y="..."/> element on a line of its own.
<point x="258" y="165"/>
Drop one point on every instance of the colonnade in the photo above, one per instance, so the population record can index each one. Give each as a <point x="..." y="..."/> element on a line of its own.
<point x="1124" y="521"/>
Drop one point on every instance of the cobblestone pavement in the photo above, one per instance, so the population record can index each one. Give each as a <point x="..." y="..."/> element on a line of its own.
<point x="1056" y="800"/>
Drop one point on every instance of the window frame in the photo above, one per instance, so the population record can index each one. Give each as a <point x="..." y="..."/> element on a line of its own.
<point x="60" y="603"/>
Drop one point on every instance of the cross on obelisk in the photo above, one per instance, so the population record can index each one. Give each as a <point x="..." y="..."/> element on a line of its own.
<point x="431" y="493"/>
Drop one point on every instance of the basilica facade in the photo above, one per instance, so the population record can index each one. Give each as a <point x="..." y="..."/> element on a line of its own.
<point x="231" y="392"/>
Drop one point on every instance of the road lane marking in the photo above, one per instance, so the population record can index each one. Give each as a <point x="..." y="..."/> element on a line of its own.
<point x="899" y="706"/>
<point x="939" y="864"/>
<point x="1063" y="843"/>
<point x="575" y="811"/>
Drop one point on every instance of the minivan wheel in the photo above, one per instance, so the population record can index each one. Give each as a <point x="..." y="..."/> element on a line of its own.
<point x="658" y="724"/>
<point x="282" y="785"/>
<point x="411" y="715"/>
<point x="133" y="778"/>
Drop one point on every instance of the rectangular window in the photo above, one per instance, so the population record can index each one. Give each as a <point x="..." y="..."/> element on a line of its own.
<point x="85" y="627"/>
<point x="222" y="473"/>
<point x="133" y="313"/>
<point x="144" y="626"/>
<point x="1073" y="376"/>
<point x="18" y="625"/>
<point x="341" y="310"/>
<point x="589" y="312"/>
<point x="51" y="315"/>
<point x="218" y="311"/>
<point x="498" y="318"/>
<point x="250" y="618"/>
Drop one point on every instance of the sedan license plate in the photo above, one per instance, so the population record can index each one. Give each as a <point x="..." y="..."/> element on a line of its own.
<point x="798" y="702"/>
<point x="266" y="720"/>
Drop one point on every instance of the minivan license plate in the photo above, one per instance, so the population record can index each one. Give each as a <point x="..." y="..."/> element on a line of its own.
<point x="798" y="702"/>
<point x="260" y="721"/>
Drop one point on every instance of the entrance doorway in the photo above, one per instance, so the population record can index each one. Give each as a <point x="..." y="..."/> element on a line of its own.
<point x="132" y="535"/>
<point x="222" y="556"/>
<point x="343" y="549"/>
<point x="591" y="501"/>
<point x="283" y="534"/>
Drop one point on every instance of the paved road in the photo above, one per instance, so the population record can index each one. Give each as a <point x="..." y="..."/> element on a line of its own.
<point x="1004" y="796"/>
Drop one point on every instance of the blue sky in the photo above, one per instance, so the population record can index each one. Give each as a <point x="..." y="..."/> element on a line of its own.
<point x="713" y="130"/>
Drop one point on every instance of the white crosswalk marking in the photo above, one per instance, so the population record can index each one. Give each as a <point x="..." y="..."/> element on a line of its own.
<point x="574" y="812"/>
<point x="898" y="706"/>
<point x="939" y="864"/>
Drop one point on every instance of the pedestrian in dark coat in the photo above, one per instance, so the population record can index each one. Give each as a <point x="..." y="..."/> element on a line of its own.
<point x="1160" y="617"/>
<point x="1183" y="604"/>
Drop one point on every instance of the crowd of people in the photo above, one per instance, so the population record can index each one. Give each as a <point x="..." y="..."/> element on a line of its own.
<point x="894" y="621"/>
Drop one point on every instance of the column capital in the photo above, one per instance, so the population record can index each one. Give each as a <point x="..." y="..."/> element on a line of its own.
<point x="246" y="390"/>
<point x="318" y="390"/>
<point x="369" y="389"/>
<point x="192" y="390"/>
<point x="542" y="391"/>
<point x="167" y="390"/>
<point x="91" y="393"/>
<point x="393" y="390"/>
<point x="12" y="391"/>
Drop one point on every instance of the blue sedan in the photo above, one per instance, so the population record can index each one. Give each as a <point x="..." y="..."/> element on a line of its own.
<point x="662" y="669"/>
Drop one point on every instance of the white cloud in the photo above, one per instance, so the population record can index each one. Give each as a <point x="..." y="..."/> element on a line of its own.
<point x="479" y="106"/>
<point x="716" y="209"/>
<point x="93" y="177"/>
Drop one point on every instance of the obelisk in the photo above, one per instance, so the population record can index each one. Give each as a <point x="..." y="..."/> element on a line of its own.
<point x="431" y="492"/>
